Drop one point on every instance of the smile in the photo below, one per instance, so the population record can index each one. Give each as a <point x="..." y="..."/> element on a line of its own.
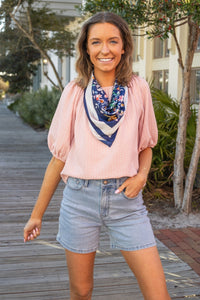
<point x="105" y="59"/>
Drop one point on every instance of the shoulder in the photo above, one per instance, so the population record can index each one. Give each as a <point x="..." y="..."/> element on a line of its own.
<point x="72" y="87"/>
<point x="139" y="90"/>
<point x="71" y="93"/>
<point x="138" y="82"/>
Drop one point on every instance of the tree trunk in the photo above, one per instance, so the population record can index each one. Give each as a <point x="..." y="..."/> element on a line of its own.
<point x="186" y="206"/>
<point x="179" y="175"/>
<point x="180" y="144"/>
<point x="187" y="199"/>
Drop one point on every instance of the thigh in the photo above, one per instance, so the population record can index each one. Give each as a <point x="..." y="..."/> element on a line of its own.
<point x="79" y="222"/>
<point x="128" y="224"/>
<point x="80" y="269"/>
<point x="147" y="267"/>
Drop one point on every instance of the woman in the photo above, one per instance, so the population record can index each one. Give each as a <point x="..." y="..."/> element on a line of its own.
<point x="101" y="138"/>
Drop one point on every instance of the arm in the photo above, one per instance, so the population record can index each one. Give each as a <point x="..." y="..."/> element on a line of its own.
<point x="49" y="185"/>
<point x="134" y="184"/>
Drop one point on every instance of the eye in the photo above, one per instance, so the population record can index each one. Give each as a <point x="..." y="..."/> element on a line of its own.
<point x="113" y="42"/>
<point x="95" y="42"/>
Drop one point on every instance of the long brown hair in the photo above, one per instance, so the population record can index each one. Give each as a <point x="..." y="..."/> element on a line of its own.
<point x="84" y="67"/>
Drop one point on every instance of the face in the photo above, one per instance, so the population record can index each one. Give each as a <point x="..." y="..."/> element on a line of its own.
<point x="105" y="48"/>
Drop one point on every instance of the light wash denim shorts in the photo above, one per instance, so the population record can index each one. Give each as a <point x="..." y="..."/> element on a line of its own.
<point x="89" y="204"/>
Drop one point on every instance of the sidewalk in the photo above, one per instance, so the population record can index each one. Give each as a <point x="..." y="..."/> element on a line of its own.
<point x="37" y="270"/>
<point x="184" y="242"/>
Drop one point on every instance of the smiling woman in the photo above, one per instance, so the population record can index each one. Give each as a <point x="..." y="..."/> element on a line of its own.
<point x="101" y="138"/>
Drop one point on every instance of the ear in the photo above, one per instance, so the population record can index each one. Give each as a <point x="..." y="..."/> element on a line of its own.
<point x="122" y="51"/>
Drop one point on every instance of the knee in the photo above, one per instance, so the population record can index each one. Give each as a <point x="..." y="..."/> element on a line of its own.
<point x="81" y="292"/>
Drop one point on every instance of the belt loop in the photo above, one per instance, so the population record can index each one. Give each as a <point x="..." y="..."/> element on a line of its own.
<point x="118" y="182"/>
<point x="86" y="182"/>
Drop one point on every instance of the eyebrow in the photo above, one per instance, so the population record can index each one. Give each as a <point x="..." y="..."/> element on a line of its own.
<point x="96" y="38"/>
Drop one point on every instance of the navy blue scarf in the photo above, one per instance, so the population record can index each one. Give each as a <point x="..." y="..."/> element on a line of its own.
<point x="105" y="116"/>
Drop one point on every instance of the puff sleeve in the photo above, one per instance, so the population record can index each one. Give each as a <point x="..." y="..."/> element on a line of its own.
<point x="61" y="131"/>
<point x="148" y="132"/>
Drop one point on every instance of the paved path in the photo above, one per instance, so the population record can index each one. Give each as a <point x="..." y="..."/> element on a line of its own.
<point x="184" y="242"/>
<point x="37" y="270"/>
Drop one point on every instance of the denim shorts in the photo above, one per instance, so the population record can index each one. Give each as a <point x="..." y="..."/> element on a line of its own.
<point x="87" y="205"/>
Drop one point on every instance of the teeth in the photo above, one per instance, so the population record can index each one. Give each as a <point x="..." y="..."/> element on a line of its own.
<point x="105" y="59"/>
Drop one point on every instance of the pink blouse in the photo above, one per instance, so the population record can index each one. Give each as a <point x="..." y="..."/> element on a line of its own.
<point x="71" y="140"/>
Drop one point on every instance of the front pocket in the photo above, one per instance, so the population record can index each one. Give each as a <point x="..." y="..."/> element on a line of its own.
<point x="75" y="183"/>
<point x="134" y="198"/>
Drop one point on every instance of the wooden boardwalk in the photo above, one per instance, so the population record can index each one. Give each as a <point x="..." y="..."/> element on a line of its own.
<point x="37" y="270"/>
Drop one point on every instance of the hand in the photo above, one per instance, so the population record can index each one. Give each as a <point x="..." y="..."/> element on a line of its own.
<point x="32" y="229"/>
<point x="133" y="185"/>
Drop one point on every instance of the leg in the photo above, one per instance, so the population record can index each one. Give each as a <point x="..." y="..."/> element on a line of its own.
<point x="147" y="267"/>
<point x="80" y="268"/>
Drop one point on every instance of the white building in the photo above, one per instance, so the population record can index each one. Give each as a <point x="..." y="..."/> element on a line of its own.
<point x="156" y="60"/>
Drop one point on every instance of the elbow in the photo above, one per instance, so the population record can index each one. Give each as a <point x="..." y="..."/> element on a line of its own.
<point x="57" y="163"/>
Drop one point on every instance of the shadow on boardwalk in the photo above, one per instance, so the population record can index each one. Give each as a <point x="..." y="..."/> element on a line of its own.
<point x="37" y="270"/>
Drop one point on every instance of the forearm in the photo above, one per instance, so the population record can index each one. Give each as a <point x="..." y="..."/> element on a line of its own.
<point x="145" y="159"/>
<point x="49" y="185"/>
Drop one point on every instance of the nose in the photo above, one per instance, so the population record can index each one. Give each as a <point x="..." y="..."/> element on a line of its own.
<point x="105" y="48"/>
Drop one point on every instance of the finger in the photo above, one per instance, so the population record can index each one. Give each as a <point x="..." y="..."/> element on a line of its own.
<point x="29" y="236"/>
<point x="35" y="233"/>
<point x="26" y="234"/>
<point x="32" y="237"/>
<point x="120" y="188"/>
<point x="132" y="194"/>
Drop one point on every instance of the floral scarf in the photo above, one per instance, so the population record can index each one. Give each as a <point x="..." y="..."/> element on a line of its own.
<point x="105" y="116"/>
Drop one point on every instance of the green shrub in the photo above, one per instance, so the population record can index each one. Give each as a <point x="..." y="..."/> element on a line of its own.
<point x="37" y="108"/>
<point x="167" y="116"/>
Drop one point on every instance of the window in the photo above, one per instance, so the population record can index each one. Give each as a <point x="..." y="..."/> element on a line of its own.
<point x="198" y="45"/>
<point x="68" y="69"/>
<point x="160" y="80"/>
<point x="160" y="48"/>
<point x="135" y="48"/>
<point x="195" y="86"/>
<point x="37" y="78"/>
<point x="60" y="67"/>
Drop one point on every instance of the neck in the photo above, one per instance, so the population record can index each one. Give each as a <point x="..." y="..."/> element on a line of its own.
<point x="105" y="79"/>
